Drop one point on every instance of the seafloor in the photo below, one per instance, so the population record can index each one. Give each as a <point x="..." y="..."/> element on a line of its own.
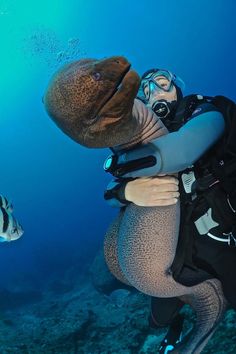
<point x="77" y="314"/>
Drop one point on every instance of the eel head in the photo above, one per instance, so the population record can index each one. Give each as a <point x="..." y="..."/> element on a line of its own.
<point x="91" y="101"/>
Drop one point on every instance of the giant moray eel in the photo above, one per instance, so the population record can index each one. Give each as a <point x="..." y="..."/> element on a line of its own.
<point x="93" y="101"/>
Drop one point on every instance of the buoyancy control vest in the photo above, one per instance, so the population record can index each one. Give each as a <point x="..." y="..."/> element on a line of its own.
<point x="207" y="189"/>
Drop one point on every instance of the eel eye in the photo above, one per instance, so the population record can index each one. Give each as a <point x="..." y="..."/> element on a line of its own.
<point x="96" y="76"/>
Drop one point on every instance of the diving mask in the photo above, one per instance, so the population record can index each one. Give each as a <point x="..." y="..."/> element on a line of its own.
<point x="160" y="80"/>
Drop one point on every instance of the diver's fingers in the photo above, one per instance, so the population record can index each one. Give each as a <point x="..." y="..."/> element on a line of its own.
<point x="165" y="195"/>
<point x="164" y="179"/>
<point x="163" y="188"/>
<point x="159" y="202"/>
<point x="158" y="180"/>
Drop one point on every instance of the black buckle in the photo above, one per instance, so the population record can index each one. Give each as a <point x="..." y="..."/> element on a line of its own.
<point x="232" y="239"/>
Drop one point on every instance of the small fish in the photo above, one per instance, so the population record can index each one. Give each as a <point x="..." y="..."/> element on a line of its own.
<point x="6" y="204"/>
<point x="10" y="229"/>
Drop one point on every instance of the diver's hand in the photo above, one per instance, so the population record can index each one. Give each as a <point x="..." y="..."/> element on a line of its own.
<point x="155" y="191"/>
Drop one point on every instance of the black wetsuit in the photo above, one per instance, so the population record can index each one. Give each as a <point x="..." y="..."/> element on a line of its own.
<point x="209" y="253"/>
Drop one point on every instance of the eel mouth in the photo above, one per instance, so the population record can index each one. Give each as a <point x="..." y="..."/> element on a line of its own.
<point x="116" y="88"/>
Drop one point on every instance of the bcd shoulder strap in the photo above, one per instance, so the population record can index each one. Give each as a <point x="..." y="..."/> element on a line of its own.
<point x="185" y="109"/>
<point x="228" y="109"/>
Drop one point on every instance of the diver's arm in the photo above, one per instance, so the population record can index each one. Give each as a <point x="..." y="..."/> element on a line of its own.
<point x="176" y="151"/>
<point x="115" y="193"/>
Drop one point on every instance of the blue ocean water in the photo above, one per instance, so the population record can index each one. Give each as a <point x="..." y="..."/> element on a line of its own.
<point x="56" y="186"/>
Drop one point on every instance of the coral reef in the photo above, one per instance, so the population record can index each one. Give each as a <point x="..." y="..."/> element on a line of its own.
<point x="83" y="320"/>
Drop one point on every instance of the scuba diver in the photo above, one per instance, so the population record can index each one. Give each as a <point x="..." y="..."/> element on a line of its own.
<point x="201" y="149"/>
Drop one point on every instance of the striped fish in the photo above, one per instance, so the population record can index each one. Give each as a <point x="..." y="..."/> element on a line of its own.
<point x="10" y="229"/>
<point x="6" y="204"/>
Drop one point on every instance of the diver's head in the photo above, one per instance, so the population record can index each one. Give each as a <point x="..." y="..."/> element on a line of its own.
<point x="161" y="90"/>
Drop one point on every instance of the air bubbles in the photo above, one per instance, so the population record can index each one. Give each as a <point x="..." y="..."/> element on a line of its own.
<point x="45" y="45"/>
